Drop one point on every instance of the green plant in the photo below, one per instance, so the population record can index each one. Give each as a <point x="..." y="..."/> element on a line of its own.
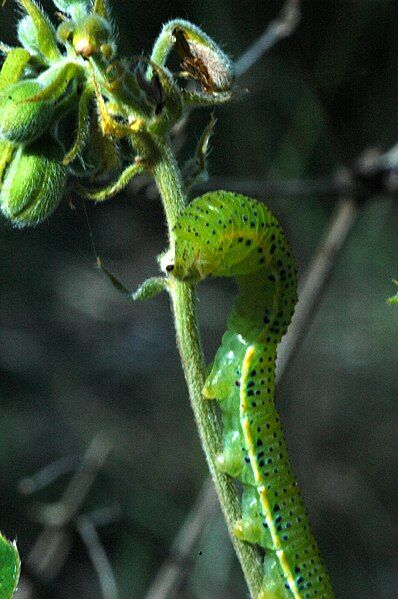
<point x="73" y="114"/>
<point x="10" y="566"/>
<point x="394" y="298"/>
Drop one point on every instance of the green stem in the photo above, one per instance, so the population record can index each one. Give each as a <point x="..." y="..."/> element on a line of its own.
<point x="183" y="299"/>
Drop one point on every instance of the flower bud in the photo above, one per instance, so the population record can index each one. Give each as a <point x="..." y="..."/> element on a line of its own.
<point x="65" y="31"/>
<point x="34" y="183"/>
<point x="92" y="35"/>
<point x="21" y="120"/>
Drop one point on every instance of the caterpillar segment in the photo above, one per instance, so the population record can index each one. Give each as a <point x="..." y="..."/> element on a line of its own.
<point x="224" y="234"/>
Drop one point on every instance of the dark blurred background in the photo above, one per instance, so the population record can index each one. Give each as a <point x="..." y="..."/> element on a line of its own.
<point x="76" y="360"/>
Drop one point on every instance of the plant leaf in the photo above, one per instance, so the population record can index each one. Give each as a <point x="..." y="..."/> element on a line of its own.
<point x="46" y="37"/>
<point x="13" y="66"/>
<point x="394" y="298"/>
<point x="10" y="567"/>
<point x="146" y="290"/>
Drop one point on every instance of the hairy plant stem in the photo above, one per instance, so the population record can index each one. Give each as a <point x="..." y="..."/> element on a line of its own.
<point x="183" y="299"/>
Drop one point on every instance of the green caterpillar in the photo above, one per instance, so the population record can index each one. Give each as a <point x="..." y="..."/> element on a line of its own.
<point x="230" y="235"/>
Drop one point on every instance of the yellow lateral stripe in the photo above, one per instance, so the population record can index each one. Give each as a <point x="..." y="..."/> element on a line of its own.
<point x="262" y="490"/>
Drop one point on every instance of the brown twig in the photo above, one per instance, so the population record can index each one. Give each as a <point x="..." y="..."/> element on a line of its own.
<point x="171" y="573"/>
<point x="51" y="548"/>
<point x="316" y="280"/>
<point x="99" y="559"/>
<point x="373" y="172"/>
<point x="281" y="27"/>
<point x="328" y="186"/>
<point x="47" y="475"/>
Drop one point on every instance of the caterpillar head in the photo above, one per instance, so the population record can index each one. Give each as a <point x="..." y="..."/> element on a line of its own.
<point x="181" y="264"/>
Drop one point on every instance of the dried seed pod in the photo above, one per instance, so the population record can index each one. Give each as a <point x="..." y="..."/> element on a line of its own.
<point x="20" y="120"/>
<point x="202" y="59"/>
<point x="34" y="183"/>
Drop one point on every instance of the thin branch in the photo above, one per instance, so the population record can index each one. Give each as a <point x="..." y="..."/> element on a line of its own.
<point x="47" y="475"/>
<point x="98" y="557"/>
<point x="377" y="172"/>
<point x="174" y="571"/>
<point x="278" y="29"/>
<point x="316" y="280"/>
<point x="105" y="515"/>
<point x="333" y="186"/>
<point x="389" y="159"/>
<point x="51" y="548"/>
<point x="372" y="173"/>
<point x="168" y="180"/>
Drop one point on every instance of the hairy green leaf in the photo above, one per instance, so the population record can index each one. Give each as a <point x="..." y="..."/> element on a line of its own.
<point x="45" y="32"/>
<point x="13" y="67"/>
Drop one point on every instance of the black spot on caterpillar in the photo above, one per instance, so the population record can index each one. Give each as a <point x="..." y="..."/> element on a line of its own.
<point x="230" y="235"/>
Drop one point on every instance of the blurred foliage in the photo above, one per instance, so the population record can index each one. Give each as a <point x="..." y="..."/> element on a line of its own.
<point x="394" y="299"/>
<point x="76" y="359"/>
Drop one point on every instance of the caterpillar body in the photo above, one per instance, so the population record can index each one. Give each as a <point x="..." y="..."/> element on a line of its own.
<point x="226" y="234"/>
